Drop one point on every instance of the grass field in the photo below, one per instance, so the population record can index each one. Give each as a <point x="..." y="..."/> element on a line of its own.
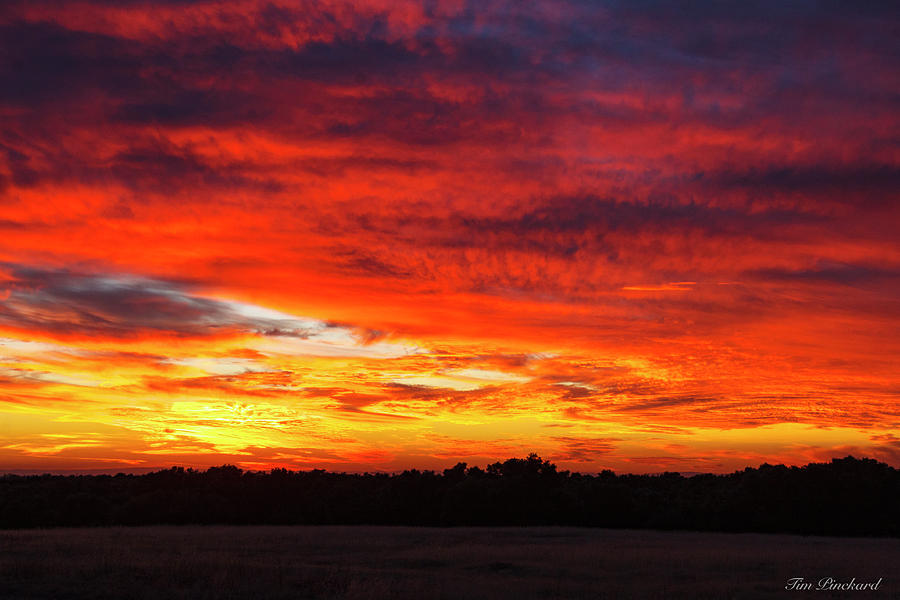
<point x="420" y="563"/>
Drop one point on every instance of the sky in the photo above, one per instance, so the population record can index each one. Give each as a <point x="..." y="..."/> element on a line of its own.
<point x="369" y="236"/>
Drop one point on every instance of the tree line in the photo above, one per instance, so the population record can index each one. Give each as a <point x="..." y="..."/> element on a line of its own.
<point x="846" y="496"/>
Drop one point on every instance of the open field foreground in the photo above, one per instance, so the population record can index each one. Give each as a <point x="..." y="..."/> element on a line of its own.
<point x="424" y="563"/>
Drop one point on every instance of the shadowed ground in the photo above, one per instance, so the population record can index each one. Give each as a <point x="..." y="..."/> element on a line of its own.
<point x="423" y="563"/>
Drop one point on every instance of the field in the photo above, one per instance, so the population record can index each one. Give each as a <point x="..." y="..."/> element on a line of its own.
<point x="422" y="563"/>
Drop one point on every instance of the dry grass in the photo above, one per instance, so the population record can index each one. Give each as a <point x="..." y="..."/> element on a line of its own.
<point x="421" y="563"/>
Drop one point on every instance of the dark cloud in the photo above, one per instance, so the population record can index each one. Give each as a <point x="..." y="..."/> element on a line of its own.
<point x="344" y="166"/>
<point x="451" y="399"/>
<point x="524" y="70"/>
<point x="249" y="384"/>
<point x="65" y="302"/>
<point x="886" y="280"/>
<point x="582" y="214"/>
<point x="674" y="402"/>
<point x="368" y="265"/>
<point x="47" y="64"/>
<point x="341" y="60"/>
<point x="172" y="105"/>
<point x="604" y="45"/>
<point x="563" y="225"/>
<point x="871" y="183"/>
<point x="148" y="165"/>
<point x="575" y="392"/>
<point x="580" y="449"/>
<point x="165" y="168"/>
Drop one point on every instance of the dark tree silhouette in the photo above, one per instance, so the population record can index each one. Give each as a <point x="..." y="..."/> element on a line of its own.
<point x="846" y="496"/>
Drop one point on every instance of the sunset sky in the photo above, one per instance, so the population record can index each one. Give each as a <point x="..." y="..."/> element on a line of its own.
<point x="377" y="235"/>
